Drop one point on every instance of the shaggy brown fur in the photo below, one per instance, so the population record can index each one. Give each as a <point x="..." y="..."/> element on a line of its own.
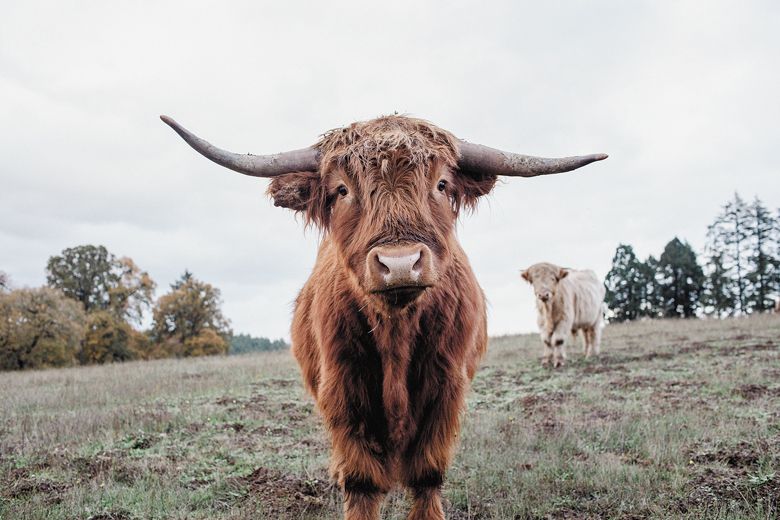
<point x="389" y="381"/>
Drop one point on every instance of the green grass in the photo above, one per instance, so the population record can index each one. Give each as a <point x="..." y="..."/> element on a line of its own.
<point x="676" y="419"/>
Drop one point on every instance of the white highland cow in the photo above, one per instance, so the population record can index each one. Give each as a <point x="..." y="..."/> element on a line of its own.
<point x="568" y="301"/>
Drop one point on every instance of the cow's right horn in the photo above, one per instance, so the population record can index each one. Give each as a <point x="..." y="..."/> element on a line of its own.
<point x="303" y="160"/>
<point x="489" y="161"/>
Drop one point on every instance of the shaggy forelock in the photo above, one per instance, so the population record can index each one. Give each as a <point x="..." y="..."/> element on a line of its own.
<point x="405" y="141"/>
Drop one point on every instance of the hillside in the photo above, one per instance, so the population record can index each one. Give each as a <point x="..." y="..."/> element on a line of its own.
<point x="676" y="419"/>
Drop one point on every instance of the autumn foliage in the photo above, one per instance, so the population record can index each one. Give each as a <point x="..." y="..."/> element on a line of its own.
<point x="91" y="309"/>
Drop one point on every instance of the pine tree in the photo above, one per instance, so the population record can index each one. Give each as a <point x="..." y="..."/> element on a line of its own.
<point x="718" y="296"/>
<point x="763" y="263"/>
<point x="679" y="280"/>
<point x="652" y="300"/>
<point x="728" y="239"/>
<point x="629" y="286"/>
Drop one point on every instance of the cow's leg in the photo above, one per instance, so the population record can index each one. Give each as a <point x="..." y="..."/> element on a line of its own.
<point x="586" y="342"/>
<point x="362" y="499"/>
<point x="358" y="433"/>
<point x="358" y="468"/>
<point x="558" y="339"/>
<point x="547" y="355"/>
<point x="596" y="341"/>
<point x="426" y="503"/>
<point x="427" y="457"/>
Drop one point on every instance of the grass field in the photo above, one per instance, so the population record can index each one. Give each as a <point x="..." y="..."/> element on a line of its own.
<point x="676" y="419"/>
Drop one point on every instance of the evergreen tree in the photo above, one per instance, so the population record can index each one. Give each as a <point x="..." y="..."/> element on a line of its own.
<point x="652" y="300"/>
<point x="627" y="285"/>
<point x="763" y="262"/>
<point x="718" y="296"/>
<point x="679" y="280"/>
<point x="728" y="239"/>
<point x="244" y="343"/>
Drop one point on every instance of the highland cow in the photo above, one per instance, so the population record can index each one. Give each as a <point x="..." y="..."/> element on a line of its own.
<point x="567" y="301"/>
<point x="391" y="325"/>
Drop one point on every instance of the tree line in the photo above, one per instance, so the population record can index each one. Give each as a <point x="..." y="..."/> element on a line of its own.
<point x="92" y="308"/>
<point x="739" y="274"/>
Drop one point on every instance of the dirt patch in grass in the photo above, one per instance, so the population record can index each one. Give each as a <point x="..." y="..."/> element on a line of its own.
<point x="755" y="391"/>
<point x="747" y="349"/>
<point x="719" y="486"/>
<point x="741" y="455"/>
<point x="543" y="402"/>
<point x="284" y="494"/>
<point x="106" y="465"/>
<point x="602" y="415"/>
<point x="111" y="515"/>
<point x="602" y="368"/>
<point x="633" y="382"/>
<point x="235" y="426"/>
<point x="22" y="484"/>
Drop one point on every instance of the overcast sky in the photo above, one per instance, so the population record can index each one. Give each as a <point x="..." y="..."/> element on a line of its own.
<point x="682" y="95"/>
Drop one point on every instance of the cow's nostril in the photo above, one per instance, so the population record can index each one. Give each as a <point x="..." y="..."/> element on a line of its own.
<point x="382" y="268"/>
<point x="418" y="265"/>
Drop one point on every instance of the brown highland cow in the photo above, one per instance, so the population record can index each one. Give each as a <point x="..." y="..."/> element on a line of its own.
<point x="391" y="324"/>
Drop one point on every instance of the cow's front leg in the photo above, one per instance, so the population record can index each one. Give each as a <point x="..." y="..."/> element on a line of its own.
<point x="426" y="502"/>
<point x="427" y="458"/>
<point x="558" y="342"/>
<point x="362" y="499"/>
<point x="547" y="354"/>
<point x="358" y="434"/>
<point x="358" y="466"/>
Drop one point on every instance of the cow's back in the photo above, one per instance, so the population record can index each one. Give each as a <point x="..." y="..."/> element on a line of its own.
<point x="587" y="296"/>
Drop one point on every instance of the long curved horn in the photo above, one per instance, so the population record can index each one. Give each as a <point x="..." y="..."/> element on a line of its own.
<point x="303" y="160"/>
<point x="489" y="161"/>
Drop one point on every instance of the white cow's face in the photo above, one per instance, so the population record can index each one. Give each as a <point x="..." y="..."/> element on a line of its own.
<point x="544" y="278"/>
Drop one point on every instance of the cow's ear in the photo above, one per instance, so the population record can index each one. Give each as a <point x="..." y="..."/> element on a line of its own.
<point x="526" y="275"/>
<point x="469" y="187"/>
<point x="563" y="273"/>
<point x="301" y="192"/>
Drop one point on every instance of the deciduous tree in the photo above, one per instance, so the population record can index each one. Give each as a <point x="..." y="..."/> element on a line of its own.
<point x="39" y="328"/>
<point x="100" y="281"/>
<point x="188" y="320"/>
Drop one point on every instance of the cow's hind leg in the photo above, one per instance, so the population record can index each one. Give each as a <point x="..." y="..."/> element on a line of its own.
<point x="587" y="338"/>
<point x="596" y="343"/>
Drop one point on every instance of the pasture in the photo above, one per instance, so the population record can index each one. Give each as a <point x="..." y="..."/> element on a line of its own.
<point x="676" y="419"/>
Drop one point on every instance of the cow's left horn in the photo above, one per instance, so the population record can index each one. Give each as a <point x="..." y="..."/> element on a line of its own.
<point x="489" y="161"/>
<point x="303" y="160"/>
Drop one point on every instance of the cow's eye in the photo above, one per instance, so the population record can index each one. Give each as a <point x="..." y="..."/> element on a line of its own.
<point x="442" y="185"/>
<point x="343" y="190"/>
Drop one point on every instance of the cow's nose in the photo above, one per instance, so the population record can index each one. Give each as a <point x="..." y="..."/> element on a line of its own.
<point x="394" y="267"/>
<point x="544" y="297"/>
